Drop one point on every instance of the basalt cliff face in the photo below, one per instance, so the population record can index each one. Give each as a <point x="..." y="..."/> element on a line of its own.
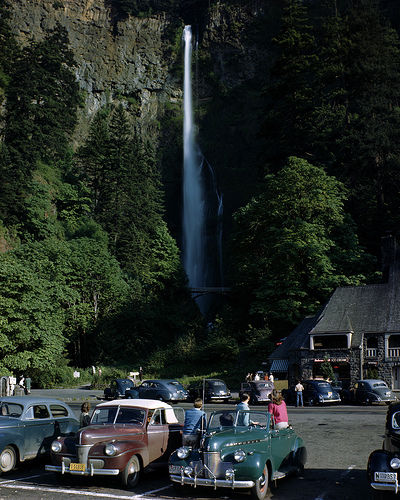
<point x="128" y="61"/>
<point x="137" y="60"/>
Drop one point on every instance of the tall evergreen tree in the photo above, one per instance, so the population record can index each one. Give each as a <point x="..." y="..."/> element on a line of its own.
<point x="40" y="116"/>
<point x="290" y="94"/>
<point x="288" y="245"/>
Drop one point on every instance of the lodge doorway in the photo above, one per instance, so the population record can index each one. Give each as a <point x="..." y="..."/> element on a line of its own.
<point x="396" y="377"/>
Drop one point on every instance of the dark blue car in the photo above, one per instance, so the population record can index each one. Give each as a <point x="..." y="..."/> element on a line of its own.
<point x="121" y="388"/>
<point x="316" y="391"/>
<point x="164" y="390"/>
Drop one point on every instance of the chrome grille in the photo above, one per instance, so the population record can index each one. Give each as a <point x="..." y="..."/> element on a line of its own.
<point x="82" y="450"/>
<point x="212" y="462"/>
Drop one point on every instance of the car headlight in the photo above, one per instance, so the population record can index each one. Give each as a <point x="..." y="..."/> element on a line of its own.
<point x="110" y="449"/>
<point x="56" y="447"/>
<point x="183" y="452"/>
<point x="395" y="463"/>
<point x="239" y="456"/>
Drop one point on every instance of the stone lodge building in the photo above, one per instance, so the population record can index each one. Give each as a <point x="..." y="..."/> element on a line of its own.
<point x="358" y="331"/>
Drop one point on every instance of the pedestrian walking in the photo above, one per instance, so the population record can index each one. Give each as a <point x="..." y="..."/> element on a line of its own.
<point x="299" y="393"/>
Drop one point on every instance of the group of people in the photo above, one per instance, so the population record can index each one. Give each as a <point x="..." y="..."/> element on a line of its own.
<point x="259" y="376"/>
<point x="195" y="418"/>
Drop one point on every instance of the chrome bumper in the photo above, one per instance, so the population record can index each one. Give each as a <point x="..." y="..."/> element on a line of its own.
<point x="215" y="483"/>
<point x="393" y="487"/>
<point x="91" y="471"/>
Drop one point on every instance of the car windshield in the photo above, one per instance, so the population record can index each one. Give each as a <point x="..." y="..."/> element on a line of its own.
<point x="11" y="410"/>
<point x="223" y="419"/>
<point x="379" y="384"/>
<point x="217" y="383"/>
<point x="118" y="415"/>
<point x="126" y="383"/>
<point x="324" y="385"/>
<point x="175" y="384"/>
<point x="262" y="385"/>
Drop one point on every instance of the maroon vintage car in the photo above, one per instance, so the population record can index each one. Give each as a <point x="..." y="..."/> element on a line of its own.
<point x="124" y="437"/>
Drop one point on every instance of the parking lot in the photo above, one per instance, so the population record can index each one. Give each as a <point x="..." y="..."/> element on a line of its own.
<point x="338" y="439"/>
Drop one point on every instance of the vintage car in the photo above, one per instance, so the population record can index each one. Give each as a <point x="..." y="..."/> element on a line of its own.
<point x="384" y="464"/>
<point x="371" y="391"/>
<point x="239" y="450"/>
<point x="28" y="425"/>
<point x="210" y="389"/>
<point x="121" y="388"/>
<point x="164" y="389"/>
<point x="316" y="391"/>
<point x="124" y="436"/>
<point x="258" y="390"/>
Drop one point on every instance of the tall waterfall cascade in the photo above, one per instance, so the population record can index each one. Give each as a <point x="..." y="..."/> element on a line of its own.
<point x="202" y="201"/>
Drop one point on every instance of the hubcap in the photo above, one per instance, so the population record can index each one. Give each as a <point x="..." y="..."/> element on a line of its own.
<point x="6" y="460"/>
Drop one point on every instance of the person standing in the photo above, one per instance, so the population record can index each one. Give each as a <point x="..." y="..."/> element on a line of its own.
<point x="271" y="377"/>
<point x="195" y="420"/>
<point x="84" y="418"/>
<point x="244" y="418"/>
<point x="277" y="408"/>
<point x="299" y="393"/>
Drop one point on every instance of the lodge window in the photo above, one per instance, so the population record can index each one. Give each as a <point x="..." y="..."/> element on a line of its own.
<point x="329" y="342"/>
<point x="393" y="346"/>
<point x="372" y="347"/>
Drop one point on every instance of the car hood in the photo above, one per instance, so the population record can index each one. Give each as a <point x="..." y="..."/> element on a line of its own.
<point x="263" y="392"/>
<point x="98" y="433"/>
<point x="217" y="441"/>
<point x="382" y="391"/>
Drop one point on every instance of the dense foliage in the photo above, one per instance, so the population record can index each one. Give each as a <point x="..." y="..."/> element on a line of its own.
<point x="306" y="145"/>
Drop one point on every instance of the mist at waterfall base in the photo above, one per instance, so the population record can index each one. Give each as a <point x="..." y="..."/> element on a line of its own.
<point x="202" y="203"/>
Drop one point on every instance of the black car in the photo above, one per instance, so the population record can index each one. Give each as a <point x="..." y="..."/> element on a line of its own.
<point x="163" y="390"/>
<point x="121" y="388"/>
<point x="258" y="390"/>
<point x="384" y="464"/>
<point x="315" y="392"/>
<point x="210" y="389"/>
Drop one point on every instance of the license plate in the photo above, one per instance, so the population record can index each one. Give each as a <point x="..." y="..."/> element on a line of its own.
<point x="174" y="469"/>
<point x="78" y="467"/>
<point x="329" y="394"/>
<point x="386" y="476"/>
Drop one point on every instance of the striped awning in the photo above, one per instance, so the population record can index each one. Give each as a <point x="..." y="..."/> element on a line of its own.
<point x="279" y="365"/>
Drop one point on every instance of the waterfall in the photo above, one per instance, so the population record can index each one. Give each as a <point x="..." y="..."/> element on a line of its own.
<point x="202" y="201"/>
<point x="193" y="184"/>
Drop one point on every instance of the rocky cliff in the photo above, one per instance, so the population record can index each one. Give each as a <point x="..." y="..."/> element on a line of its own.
<point x="129" y="60"/>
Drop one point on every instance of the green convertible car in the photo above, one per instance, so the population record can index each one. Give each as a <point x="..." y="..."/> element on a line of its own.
<point x="239" y="450"/>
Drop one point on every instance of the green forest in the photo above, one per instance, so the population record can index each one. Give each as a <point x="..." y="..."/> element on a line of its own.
<point x="90" y="265"/>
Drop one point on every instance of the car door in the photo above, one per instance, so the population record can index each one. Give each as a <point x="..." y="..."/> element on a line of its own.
<point x="39" y="430"/>
<point x="157" y="435"/>
<point x="144" y="390"/>
<point x="63" y="423"/>
<point x="360" y="392"/>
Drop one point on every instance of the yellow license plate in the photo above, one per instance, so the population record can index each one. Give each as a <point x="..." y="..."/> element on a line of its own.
<point x="78" y="467"/>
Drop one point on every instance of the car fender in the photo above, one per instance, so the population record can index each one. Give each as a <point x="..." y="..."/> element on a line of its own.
<point x="123" y="447"/>
<point x="379" y="461"/>
<point x="15" y="439"/>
